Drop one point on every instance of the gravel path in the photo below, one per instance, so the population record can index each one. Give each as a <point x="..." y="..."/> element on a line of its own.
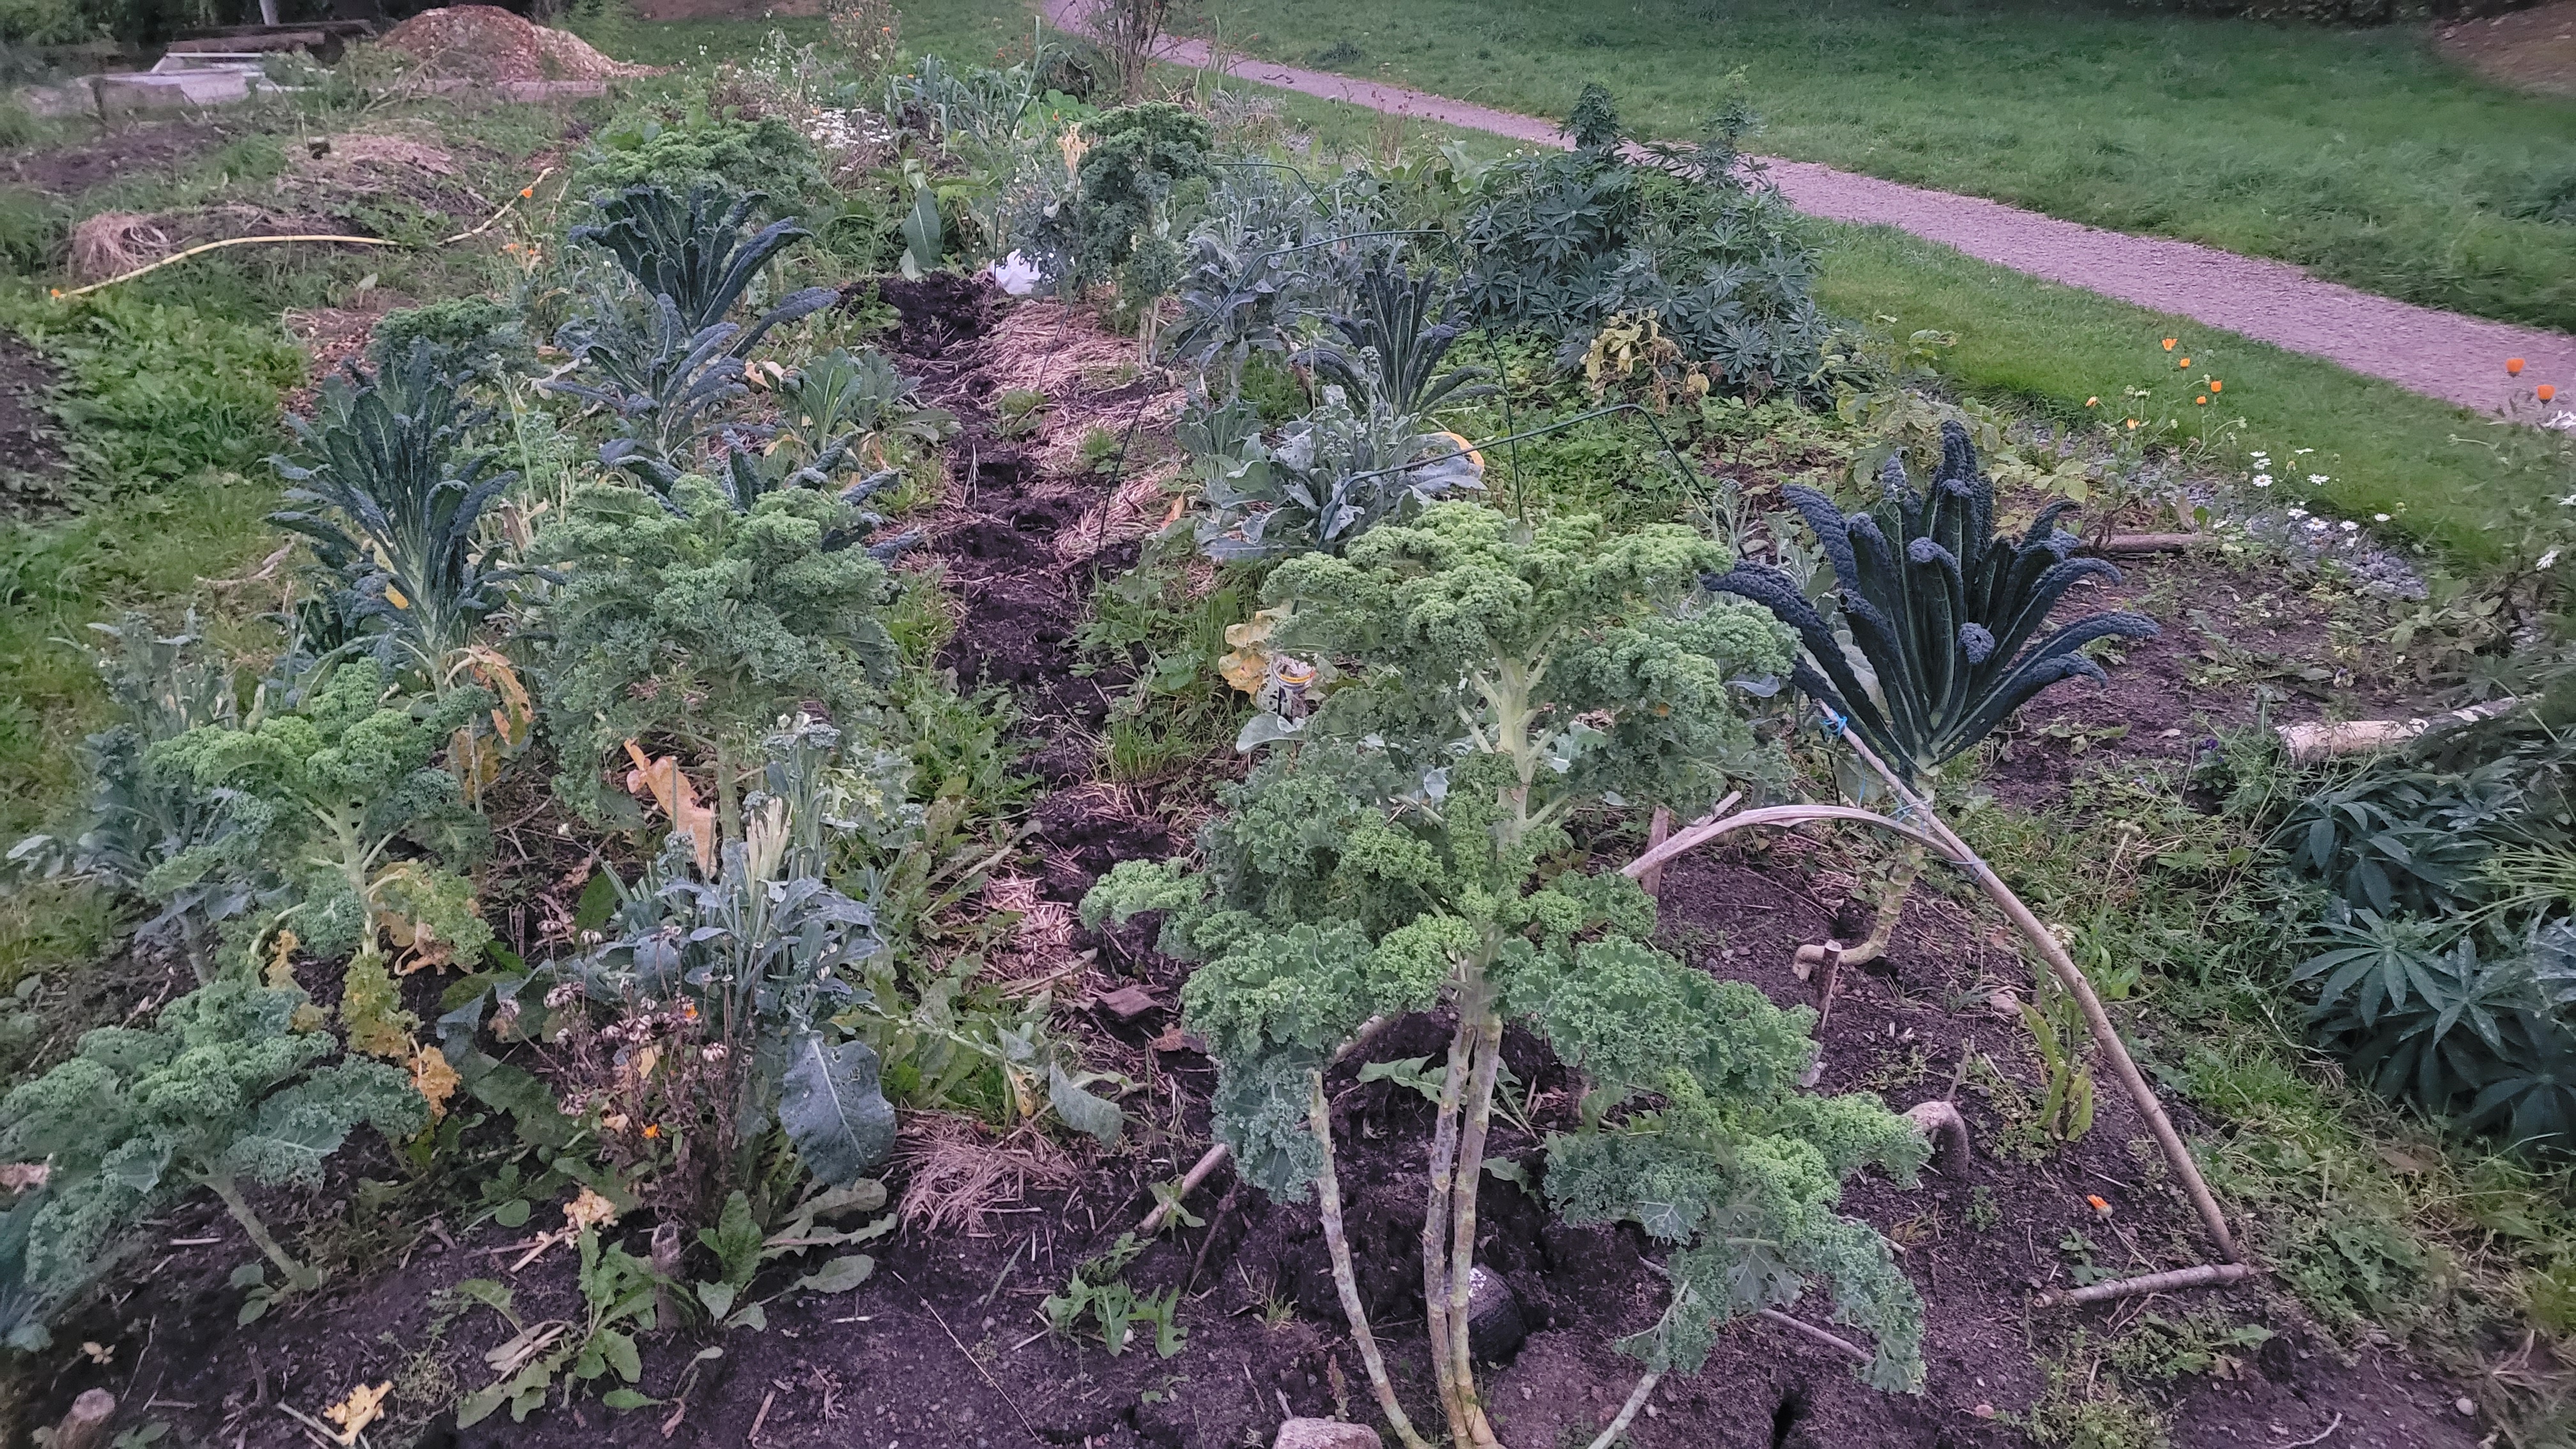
<point x="2439" y="354"/>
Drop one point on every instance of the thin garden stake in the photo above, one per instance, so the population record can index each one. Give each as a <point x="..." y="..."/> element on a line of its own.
<point x="1940" y="838"/>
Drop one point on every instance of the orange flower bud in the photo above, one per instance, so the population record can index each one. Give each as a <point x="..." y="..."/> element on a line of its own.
<point x="2513" y="367"/>
<point x="2216" y="386"/>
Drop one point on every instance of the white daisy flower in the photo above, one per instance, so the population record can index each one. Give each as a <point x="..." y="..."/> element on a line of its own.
<point x="2262" y="480"/>
<point x="2379" y="518"/>
<point x="2317" y="478"/>
<point x="2350" y="526"/>
<point x="2298" y="513"/>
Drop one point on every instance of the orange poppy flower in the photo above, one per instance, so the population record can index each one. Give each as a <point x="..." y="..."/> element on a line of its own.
<point x="2216" y="386"/>
<point x="2092" y="402"/>
<point x="526" y="191"/>
<point x="652" y="1130"/>
<point x="2094" y="1201"/>
<point x="2204" y="402"/>
<point x="2544" y="392"/>
<point x="2186" y="362"/>
<point x="2169" y="344"/>
<point x="2513" y="367"/>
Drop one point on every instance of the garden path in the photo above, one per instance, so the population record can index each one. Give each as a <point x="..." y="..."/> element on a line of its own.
<point x="2439" y="354"/>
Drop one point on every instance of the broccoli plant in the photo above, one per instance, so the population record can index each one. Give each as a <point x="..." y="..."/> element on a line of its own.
<point x="138" y="819"/>
<point x="393" y="502"/>
<point x="222" y="1092"/>
<point x="858" y="403"/>
<point x="328" y="795"/>
<point x="1413" y="852"/>
<point x="1944" y="612"/>
<point x="696" y="621"/>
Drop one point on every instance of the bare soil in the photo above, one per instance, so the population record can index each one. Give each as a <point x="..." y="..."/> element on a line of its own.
<point x="132" y="151"/>
<point x="31" y="450"/>
<point x="2534" y="49"/>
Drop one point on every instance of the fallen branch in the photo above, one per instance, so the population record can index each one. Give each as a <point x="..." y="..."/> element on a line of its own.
<point x="1628" y="1410"/>
<point x="1659" y="828"/>
<point x="2308" y="743"/>
<point x="524" y="193"/>
<point x="1812" y="1331"/>
<point x="1945" y="841"/>
<point x="215" y="246"/>
<point x="2205" y="1276"/>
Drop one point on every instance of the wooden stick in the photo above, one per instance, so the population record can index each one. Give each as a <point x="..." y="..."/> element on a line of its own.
<point x="1659" y="828"/>
<point x="1628" y="1410"/>
<point x="2308" y="743"/>
<point x="1812" y="1331"/>
<point x="2205" y="1276"/>
<point x="85" y="1427"/>
<point x="2126" y="543"/>
<point x="1209" y="1161"/>
<point x="1328" y="1187"/>
<point x="216" y="246"/>
<point x="1939" y="837"/>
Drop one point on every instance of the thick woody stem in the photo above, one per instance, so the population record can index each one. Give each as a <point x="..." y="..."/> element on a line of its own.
<point x="1435" y="1223"/>
<point x="1462" y="1219"/>
<point x="1328" y="1186"/>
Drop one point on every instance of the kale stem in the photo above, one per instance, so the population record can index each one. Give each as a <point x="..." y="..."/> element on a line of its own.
<point x="1488" y="1060"/>
<point x="1329" y="1189"/>
<point x="1435" y="1221"/>
<point x="298" y="1276"/>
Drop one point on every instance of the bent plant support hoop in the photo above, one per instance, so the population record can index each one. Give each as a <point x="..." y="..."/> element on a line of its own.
<point x="1938" y="837"/>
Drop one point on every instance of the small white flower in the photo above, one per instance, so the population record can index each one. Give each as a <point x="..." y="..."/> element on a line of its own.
<point x="2316" y="525"/>
<point x="2547" y="559"/>
<point x="2350" y="526"/>
<point x="2262" y="480"/>
<point x="2568" y="502"/>
<point x="2303" y="452"/>
<point x="2562" y="422"/>
<point x="2379" y="518"/>
<point x="2298" y="513"/>
<point x="2317" y="478"/>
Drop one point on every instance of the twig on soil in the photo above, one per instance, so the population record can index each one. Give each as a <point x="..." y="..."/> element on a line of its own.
<point x="1812" y="1331"/>
<point x="1628" y="1410"/>
<point x="1215" y="1156"/>
<point x="504" y="211"/>
<point x="986" y="1374"/>
<point x="2318" y="1437"/>
<point x="762" y="1417"/>
<point x="2205" y="1276"/>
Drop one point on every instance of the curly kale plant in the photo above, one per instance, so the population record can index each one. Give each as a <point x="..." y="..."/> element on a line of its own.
<point x="327" y="797"/>
<point x="1115" y="223"/>
<point x="393" y="500"/>
<point x="140" y="821"/>
<point x="221" y="1092"/>
<point x="1564" y="242"/>
<point x="701" y="623"/>
<point x="1413" y="852"/>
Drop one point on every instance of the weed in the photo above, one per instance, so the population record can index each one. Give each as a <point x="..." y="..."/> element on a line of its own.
<point x="1098" y="1292"/>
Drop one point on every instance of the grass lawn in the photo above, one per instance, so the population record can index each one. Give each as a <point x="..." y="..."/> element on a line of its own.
<point x="2359" y="154"/>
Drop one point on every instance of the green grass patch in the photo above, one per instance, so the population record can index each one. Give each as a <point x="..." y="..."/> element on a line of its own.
<point x="2381" y="448"/>
<point x="2359" y="153"/>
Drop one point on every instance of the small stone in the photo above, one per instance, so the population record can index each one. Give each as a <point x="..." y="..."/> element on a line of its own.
<point x="1983" y="1411"/>
<point x="2465" y="1404"/>
<point x="1325" y="1434"/>
<point x="1495" y="1327"/>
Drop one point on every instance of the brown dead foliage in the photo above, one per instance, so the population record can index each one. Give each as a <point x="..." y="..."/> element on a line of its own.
<point x="957" y="1173"/>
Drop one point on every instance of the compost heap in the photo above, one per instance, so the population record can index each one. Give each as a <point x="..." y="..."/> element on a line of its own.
<point x="486" y="43"/>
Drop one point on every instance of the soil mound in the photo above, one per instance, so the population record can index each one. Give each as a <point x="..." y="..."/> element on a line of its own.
<point x="2534" y="49"/>
<point x="486" y="43"/>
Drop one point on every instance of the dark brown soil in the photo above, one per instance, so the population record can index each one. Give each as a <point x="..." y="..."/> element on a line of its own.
<point x="2534" y="48"/>
<point x="133" y="151"/>
<point x="2236" y="646"/>
<point x="31" y="451"/>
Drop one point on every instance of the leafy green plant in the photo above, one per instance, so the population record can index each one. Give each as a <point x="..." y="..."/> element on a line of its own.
<point x="1413" y="852"/>
<point x="2056" y="1028"/>
<point x="768" y="156"/>
<point x="741" y="1250"/>
<point x="1117" y="221"/>
<point x="691" y="249"/>
<point x="618" y="1293"/>
<point x="1940" y="609"/>
<point x="160" y="392"/>
<point x="1390" y="350"/>
<point x="1019" y="412"/>
<point x="702" y="623"/>
<point x="222" y="1092"/>
<point x="393" y="501"/>
<point x="138" y="820"/>
<point x="324" y="797"/>
<point x="669" y="388"/>
<point x="1330" y="478"/>
<point x="1563" y="242"/>
<point x="1098" y="1291"/>
<point x="860" y="402"/>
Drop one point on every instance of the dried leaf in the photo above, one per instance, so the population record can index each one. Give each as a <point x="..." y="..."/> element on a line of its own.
<point x="18" y="1177"/>
<point x="434" y="1079"/>
<point x="670" y="789"/>
<point x="588" y="1210"/>
<point x="363" y="1407"/>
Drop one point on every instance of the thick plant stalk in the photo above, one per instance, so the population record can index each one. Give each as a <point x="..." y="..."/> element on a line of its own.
<point x="1319" y="1117"/>
<point x="1435" y="1223"/>
<point x="1659" y="828"/>
<point x="1479" y="1117"/>
<point x="1890" y="906"/>
<point x="2205" y="1276"/>
<point x="1628" y="1410"/>
<point x="298" y="1276"/>
<point x="1948" y="844"/>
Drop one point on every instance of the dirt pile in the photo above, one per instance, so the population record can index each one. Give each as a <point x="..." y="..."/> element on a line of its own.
<point x="486" y="43"/>
<point x="2534" y="49"/>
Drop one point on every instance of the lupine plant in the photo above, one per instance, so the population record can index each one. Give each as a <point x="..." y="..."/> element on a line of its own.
<point x="1413" y="852"/>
